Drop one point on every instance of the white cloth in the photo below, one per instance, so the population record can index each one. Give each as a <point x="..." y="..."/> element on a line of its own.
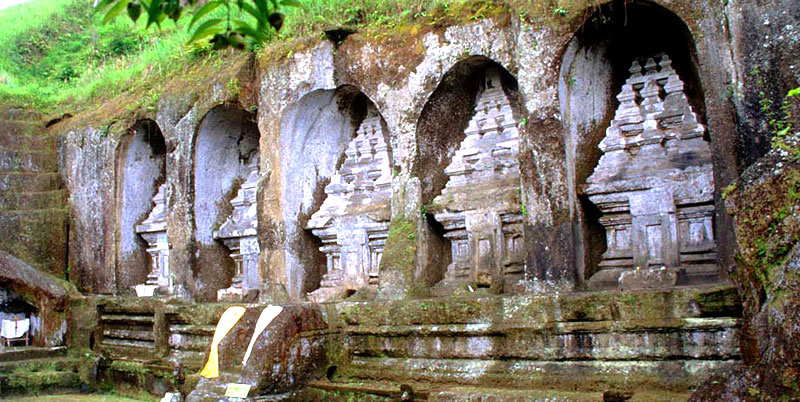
<point x="266" y="317"/>
<point x="15" y="329"/>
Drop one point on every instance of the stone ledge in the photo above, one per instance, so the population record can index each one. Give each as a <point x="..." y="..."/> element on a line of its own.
<point x="667" y="375"/>
<point x="539" y="310"/>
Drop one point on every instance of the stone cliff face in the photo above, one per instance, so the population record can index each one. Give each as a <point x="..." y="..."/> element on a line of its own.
<point x="310" y="106"/>
<point x="301" y="114"/>
<point x="765" y="204"/>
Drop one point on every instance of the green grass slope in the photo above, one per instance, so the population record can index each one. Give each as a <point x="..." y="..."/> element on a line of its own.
<point x="56" y="52"/>
<point x="56" y="56"/>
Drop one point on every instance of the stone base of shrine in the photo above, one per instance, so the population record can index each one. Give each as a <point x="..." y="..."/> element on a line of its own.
<point x="655" y="277"/>
<point x="237" y="294"/>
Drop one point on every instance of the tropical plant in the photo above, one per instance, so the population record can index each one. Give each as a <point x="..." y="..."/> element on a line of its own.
<point x="253" y="20"/>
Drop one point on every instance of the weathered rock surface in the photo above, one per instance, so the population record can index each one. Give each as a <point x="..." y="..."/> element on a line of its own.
<point x="766" y="207"/>
<point x="730" y="56"/>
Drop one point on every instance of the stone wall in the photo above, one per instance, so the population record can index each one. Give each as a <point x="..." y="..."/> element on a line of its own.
<point x="309" y="105"/>
<point x="302" y="110"/>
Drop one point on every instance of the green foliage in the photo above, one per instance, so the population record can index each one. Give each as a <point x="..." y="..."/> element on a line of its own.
<point x="62" y="54"/>
<point x="233" y="87"/>
<point x="62" y="57"/>
<point x="780" y="119"/>
<point x="729" y="189"/>
<point x="244" y="20"/>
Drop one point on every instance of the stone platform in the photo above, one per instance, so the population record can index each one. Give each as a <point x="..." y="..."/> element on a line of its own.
<point x="658" y="343"/>
<point x="661" y="341"/>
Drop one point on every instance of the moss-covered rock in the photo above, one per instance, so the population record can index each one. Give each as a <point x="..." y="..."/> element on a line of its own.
<point x="765" y="204"/>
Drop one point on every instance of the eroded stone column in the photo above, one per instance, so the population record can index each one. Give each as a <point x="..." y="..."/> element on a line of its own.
<point x="353" y="221"/>
<point x="654" y="186"/>
<point x="480" y="205"/>
<point x="154" y="231"/>
<point x="239" y="234"/>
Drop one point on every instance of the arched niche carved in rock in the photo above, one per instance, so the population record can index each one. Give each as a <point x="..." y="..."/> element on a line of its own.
<point x="468" y="138"/>
<point x="141" y="167"/>
<point x="226" y="144"/>
<point x="315" y="132"/>
<point x="600" y="91"/>
<point x="353" y="221"/>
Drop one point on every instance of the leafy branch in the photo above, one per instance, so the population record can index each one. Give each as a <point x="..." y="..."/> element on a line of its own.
<point x="263" y="18"/>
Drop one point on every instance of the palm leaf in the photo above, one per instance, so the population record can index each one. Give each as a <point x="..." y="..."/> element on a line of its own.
<point x="153" y="12"/>
<point x="102" y="4"/>
<point x="207" y="28"/>
<point x="247" y="30"/>
<point x="114" y="11"/>
<point x="207" y="8"/>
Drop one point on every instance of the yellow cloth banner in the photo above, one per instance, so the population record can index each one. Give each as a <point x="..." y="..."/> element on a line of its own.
<point x="229" y="318"/>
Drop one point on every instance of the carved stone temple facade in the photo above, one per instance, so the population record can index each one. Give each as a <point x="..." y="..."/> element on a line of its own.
<point x="353" y="221"/>
<point x="154" y="231"/>
<point x="239" y="234"/>
<point x="480" y="204"/>
<point x="654" y="186"/>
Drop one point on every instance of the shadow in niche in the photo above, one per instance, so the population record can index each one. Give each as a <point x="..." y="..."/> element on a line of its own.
<point x="141" y="165"/>
<point x="594" y="235"/>
<point x="596" y="64"/>
<point x="440" y="131"/>
<point x="16" y="309"/>
<point x="316" y="132"/>
<point x="226" y="139"/>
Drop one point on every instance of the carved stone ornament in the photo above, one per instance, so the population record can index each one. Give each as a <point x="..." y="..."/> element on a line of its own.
<point x="353" y="221"/>
<point x="240" y="234"/>
<point x="480" y="205"/>
<point x="154" y="231"/>
<point x="654" y="186"/>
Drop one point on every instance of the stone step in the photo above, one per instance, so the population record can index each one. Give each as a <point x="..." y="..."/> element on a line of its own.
<point x="129" y="334"/>
<point x="661" y="340"/>
<point x="31" y="352"/>
<point x="29" y="182"/>
<point x="135" y="319"/>
<point x="65" y="364"/>
<point x="33" y="200"/>
<point x="16" y="134"/>
<point x="322" y="390"/>
<point x="33" y="161"/>
<point x="35" y="142"/>
<point x="585" y="376"/>
<point x="39" y="382"/>
<point x="36" y="236"/>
